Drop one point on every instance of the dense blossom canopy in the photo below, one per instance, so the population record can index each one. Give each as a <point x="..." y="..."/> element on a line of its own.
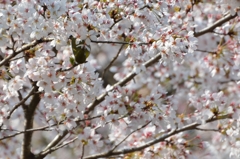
<point x="162" y="79"/>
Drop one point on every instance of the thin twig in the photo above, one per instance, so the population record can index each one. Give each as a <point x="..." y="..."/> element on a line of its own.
<point x="59" y="137"/>
<point x="146" y="6"/>
<point x="81" y="120"/>
<point x="115" y="23"/>
<point x="113" y="60"/>
<point x="68" y="69"/>
<point x="29" y="130"/>
<point x="118" y="42"/>
<point x="82" y="151"/>
<point x="217" y="130"/>
<point x="16" y="58"/>
<point x="23" y="48"/>
<point x="56" y="148"/>
<point x="205" y="51"/>
<point x="128" y="136"/>
<point x="21" y="102"/>
<point x="110" y="121"/>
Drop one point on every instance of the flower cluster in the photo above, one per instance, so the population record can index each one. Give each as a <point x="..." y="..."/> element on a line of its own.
<point x="174" y="72"/>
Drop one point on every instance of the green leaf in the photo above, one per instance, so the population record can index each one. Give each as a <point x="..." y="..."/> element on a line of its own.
<point x="72" y="60"/>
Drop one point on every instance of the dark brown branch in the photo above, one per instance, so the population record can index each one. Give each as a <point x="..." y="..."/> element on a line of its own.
<point x="48" y="151"/>
<point x="155" y="141"/>
<point x="82" y="151"/>
<point x="16" y="58"/>
<point x="67" y="69"/>
<point x="216" y="24"/>
<point x="57" y="139"/>
<point x="21" y="102"/>
<point x="23" y="48"/>
<point x="115" y="23"/>
<point x="118" y="42"/>
<point x="29" y="116"/>
<point x="44" y="128"/>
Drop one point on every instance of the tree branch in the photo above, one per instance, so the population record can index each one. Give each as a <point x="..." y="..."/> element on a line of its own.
<point x="216" y="24"/>
<point x="21" y="102"/>
<point x="118" y="42"/>
<point x="200" y="129"/>
<point x="48" y="151"/>
<point x="44" y="128"/>
<point x="113" y="60"/>
<point x="29" y="116"/>
<point x="23" y="48"/>
<point x="67" y="69"/>
<point x="155" y="141"/>
<point x="121" y="83"/>
<point x="129" y="135"/>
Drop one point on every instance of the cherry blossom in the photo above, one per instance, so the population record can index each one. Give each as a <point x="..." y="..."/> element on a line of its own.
<point x="161" y="81"/>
